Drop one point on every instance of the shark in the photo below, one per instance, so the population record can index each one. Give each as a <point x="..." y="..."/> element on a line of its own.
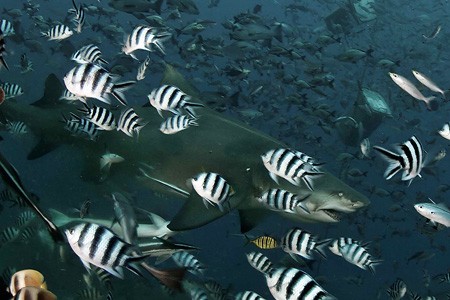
<point x="166" y="163"/>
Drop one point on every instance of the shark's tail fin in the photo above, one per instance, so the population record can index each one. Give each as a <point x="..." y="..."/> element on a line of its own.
<point x="394" y="160"/>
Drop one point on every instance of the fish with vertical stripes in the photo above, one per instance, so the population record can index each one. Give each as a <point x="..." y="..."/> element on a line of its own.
<point x="88" y="54"/>
<point x="248" y="295"/>
<point x="286" y="163"/>
<point x="11" y="90"/>
<point x="410" y="159"/>
<point x="16" y="127"/>
<point x="300" y="242"/>
<point x="188" y="261"/>
<point x="358" y="255"/>
<point x="97" y="245"/>
<point x="81" y="127"/>
<point x="259" y="261"/>
<point x="143" y="38"/>
<point x="397" y="290"/>
<point x="6" y="27"/>
<point x="176" y="124"/>
<point x="130" y="123"/>
<point x="100" y="116"/>
<point x="292" y="283"/>
<point x="263" y="242"/>
<point x="171" y="98"/>
<point x="282" y="200"/>
<point x="58" y="32"/>
<point x="342" y="241"/>
<point x="79" y="17"/>
<point x="3" y="50"/>
<point x="142" y="69"/>
<point x="213" y="189"/>
<point x="92" y="81"/>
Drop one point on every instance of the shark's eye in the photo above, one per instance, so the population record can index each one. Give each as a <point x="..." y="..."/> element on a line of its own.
<point x="341" y="194"/>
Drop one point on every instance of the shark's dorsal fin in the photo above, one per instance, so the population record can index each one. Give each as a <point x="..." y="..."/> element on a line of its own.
<point x="43" y="147"/>
<point x="53" y="90"/>
<point x="250" y="218"/>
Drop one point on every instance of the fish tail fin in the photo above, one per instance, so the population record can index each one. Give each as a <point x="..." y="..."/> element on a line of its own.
<point x="169" y="277"/>
<point x="371" y="266"/>
<point x="320" y="247"/>
<point x="103" y="61"/>
<point x="3" y="62"/>
<point x="393" y="159"/>
<point x="432" y="103"/>
<point x="118" y="89"/>
<point x="308" y="180"/>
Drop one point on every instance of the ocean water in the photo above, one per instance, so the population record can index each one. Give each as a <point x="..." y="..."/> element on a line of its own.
<point x="390" y="223"/>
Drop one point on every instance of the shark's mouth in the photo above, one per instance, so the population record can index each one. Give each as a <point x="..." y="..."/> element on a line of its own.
<point x="334" y="214"/>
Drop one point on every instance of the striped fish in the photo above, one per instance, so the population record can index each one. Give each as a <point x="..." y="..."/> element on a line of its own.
<point x="189" y="261"/>
<point x="142" y="38"/>
<point x="263" y="242"/>
<point x="443" y="277"/>
<point x="9" y="196"/>
<point x="92" y="81"/>
<point x="25" y="218"/>
<point x="79" y="16"/>
<point x="28" y="233"/>
<point x="342" y="241"/>
<point x="97" y="245"/>
<point x="130" y="123"/>
<point x="292" y="283"/>
<point x="259" y="262"/>
<point x="81" y="127"/>
<point x="16" y="127"/>
<point x="11" y="90"/>
<point x="300" y="242"/>
<point x="358" y="255"/>
<point x="3" y="50"/>
<point x="410" y="160"/>
<point x="142" y="69"/>
<point x="198" y="294"/>
<point x="6" y="27"/>
<point x="90" y="293"/>
<point x="100" y="116"/>
<point x="68" y="96"/>
<point x="176" y="124"/>
<point x="248" y="295"/>
<point x="171" y="98"/>
<point x="9" y="234"/>
<point x="58" y="32"/>
<point x="88" y="54"/>
<point x="287" y="164"/>
<point x="213" y="189"/>
<point x="397" y="290"/>
<point x="282" y="200"/>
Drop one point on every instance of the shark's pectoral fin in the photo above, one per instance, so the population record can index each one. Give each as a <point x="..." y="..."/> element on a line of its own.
<point x="43" y="147"/>
<point x="249" y="218"/>
<point x="194" y="213"/>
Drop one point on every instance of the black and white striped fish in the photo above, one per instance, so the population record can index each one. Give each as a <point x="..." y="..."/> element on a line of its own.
<point x="58" y="32"/>
<point x="410" y="159"/>
<point x="25" y="218"/>
<point x="172" y="99"/>
<point x="300" y="242"/>
<point x="213" y="188"/>
<point x="176" y="124"/>
<point x="142" y="38"/>
<point x="282" y="200"/>
<point x="11" y="90"/>
<point x="67" y="95"/>
<point x="443" y="277"/>
<point x="9" y="234"/>
<point x="198" y="294"/>
<point x="28" y="233"/>
<point x="358" y="255"/>
<point x="259" y="261"/>
<point x="292" y="283"/>
<point x="90" y="80"/>
<point x="81" y="127"/>
<point x="16" y="127"/>
<point x="3" y="50"/>
<point x="79" y="16"/>
<point x="97" y="245"/>
<point x="248" y="295"/>
<point x="397" y="290"/>
<point x="88" y="54"/>
<point x="342" y="241"/>
<point x="6" y="27"/>
<point x="188" y="261"/>
<point x="130" y="123"/>
<point x="100" y="116"/>
<point x="142" y="69"/>
<point x="288" y="165"/>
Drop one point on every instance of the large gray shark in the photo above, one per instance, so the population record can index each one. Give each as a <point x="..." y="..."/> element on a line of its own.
<point x="219" y="144"/>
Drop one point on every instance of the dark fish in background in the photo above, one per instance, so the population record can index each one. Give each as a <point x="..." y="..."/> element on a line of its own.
<point x="84" y="210"/>
<point x="2" y="51"/>
<point x="12" y="180"/>
<point x="257" y="8"/>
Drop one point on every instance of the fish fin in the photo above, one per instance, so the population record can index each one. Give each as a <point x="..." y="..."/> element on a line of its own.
<point x="86" y="265"/>
<point x="43" y="147"/>
<point x="249" y="219"/>
<point x="275" y="177"/>
<point x="53" y="89"/>
<point x="393" y="159"/>
<point x="3" y="63"/>
<point x="118" y="271"/>
<point x="59" y="218"/>
<point x="118" y="89"/>
<point x="158" y="184"/>
<point x="169" y="277"/>
<point x="320" y="245"/>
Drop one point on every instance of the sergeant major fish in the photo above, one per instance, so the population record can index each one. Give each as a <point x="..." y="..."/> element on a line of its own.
<point x="3" y="50"/>
<point x="59" y="32"/>
<point x="213" y="189"/>
<point x="88" y="54"/>
<point x="142" y="38"/>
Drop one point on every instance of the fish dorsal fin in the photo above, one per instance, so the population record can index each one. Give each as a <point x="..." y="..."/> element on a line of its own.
<point x="431" y="201"/>
<point x="250" y="218"/>
<point x="53" y="90"/>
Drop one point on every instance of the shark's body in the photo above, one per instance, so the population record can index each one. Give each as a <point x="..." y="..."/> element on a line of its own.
<point x="218" y="144"/>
